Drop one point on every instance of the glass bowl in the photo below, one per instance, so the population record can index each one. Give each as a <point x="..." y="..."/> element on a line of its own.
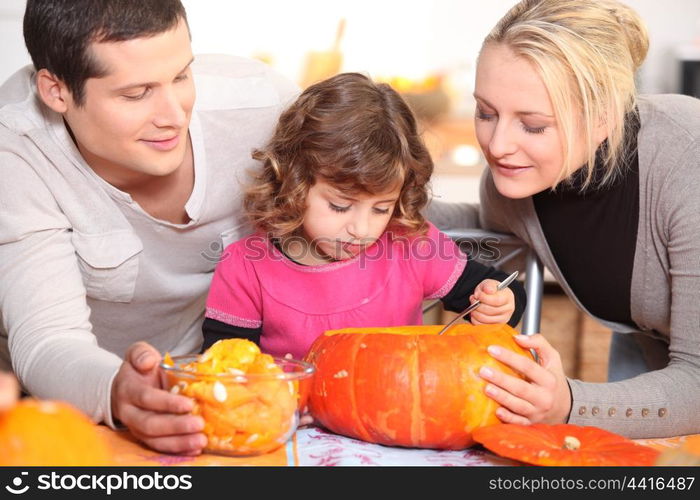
<point x="244" y="414"/>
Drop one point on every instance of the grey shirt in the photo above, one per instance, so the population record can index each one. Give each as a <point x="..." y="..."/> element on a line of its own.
<point x="665" y="290"/>
<point x="84" y="271"/>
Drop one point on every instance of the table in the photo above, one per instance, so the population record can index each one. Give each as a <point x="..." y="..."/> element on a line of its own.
<point x="316" y="447"/>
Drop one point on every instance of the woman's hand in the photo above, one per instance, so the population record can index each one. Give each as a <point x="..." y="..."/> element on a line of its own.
<point x="497" y="306"/>
<point x="544" y="397"/>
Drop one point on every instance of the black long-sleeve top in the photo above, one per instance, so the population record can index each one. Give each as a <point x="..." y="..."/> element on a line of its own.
<point x="595" y="252"/>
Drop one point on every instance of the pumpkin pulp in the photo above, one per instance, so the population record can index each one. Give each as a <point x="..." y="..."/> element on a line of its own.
<point x="247" y="405"/>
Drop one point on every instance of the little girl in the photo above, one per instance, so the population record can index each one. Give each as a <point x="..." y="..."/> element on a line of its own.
<point x="341" y="241"/>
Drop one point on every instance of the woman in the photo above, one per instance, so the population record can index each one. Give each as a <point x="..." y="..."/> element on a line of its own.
<point x="605" y="186"/>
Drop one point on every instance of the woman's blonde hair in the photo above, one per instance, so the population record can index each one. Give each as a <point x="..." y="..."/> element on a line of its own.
<point x="587" y="53"/>
<point x="358" y="136"/>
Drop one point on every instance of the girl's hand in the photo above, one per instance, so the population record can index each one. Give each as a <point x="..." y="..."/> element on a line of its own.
<point x="305" y="420"/>
<point x="544" y="397"/>
<point x="496" y="306"/>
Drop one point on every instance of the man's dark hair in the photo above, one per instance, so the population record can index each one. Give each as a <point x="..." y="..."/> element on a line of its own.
<point x="58" y="33"/>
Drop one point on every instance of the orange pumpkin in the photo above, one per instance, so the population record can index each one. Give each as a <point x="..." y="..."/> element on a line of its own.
<point x="687" y="454"/>
<point x="406" y="386"/>
<point x="564" y="444"/>
<point x="49" y="433"/>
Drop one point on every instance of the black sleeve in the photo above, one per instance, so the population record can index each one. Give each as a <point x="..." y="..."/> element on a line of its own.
<point x="214" y="330"/>
<point x="474" y="273"/>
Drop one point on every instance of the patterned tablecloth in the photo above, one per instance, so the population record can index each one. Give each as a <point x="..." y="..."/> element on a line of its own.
<point x="317" y="447"/>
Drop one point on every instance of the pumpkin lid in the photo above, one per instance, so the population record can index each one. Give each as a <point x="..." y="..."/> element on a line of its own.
<point x="564" y="444"/>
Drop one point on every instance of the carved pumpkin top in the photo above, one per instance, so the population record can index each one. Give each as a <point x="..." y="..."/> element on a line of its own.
<point x="564" y="444"/>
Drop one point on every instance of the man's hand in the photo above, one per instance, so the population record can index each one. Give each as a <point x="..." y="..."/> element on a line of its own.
<point x="156" y="417"/>
<point x="9" y="391"/>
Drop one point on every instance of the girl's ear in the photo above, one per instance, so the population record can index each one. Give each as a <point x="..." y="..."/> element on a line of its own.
<point x="52" y="91"/>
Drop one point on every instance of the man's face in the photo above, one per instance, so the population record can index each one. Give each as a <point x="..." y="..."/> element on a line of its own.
<point x="134" y="121"/>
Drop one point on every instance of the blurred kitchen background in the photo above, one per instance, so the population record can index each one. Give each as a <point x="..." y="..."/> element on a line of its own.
<point x="427" y="50"/>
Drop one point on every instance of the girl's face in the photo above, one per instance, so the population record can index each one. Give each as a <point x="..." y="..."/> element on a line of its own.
<point x="339" y="225"/>
<point x="515" y="124"/>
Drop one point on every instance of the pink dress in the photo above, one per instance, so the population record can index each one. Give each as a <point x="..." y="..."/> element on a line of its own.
<point x="257" y="285"/>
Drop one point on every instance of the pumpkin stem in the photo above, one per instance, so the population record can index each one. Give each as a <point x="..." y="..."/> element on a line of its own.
<point x="571" y="443"/>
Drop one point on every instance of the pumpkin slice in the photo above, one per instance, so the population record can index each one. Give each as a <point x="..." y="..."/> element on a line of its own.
<point x="564" y="444"/>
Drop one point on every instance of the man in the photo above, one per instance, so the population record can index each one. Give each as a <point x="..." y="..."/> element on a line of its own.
<point x="117" y="196"/>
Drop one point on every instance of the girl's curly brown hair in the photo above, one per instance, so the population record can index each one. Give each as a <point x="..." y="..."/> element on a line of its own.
<point x="358" y="136"/>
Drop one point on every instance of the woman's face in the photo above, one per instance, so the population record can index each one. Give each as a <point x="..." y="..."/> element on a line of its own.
<point x="515" y="124"/>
